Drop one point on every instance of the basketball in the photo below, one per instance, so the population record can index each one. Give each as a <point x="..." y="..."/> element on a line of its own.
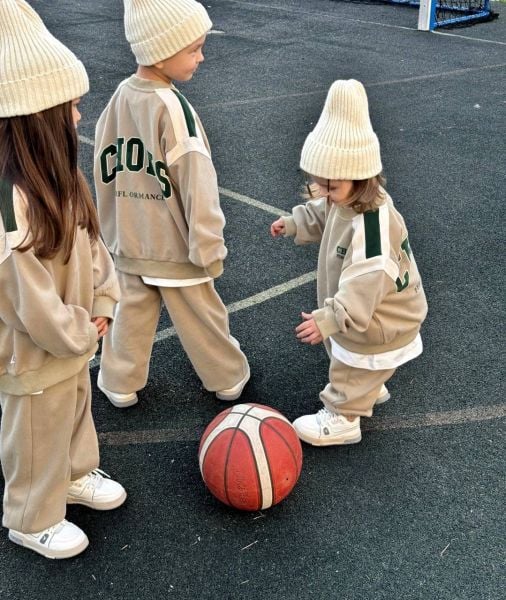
<point x="250" y="457"/>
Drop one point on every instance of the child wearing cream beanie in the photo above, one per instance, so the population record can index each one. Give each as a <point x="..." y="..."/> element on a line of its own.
<point x="58" y="293"/>
<point x="159" y="209"/>
<point x="371" y="302"/>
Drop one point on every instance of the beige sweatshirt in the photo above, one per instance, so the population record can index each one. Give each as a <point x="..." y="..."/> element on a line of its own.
<point x="46" y="306"/>
<point x="370" y="294"/>
<point x="157" y="191"/>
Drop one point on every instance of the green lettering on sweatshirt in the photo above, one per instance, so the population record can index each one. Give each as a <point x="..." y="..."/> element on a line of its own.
<point x="134" y="154"/>
<point x="119" y="161"/>
<point x="402" y="285"/>
<point x="107" y="174"/>
<point x="163" y="178"/>
<point x="150" y="169"/>
<point x="136" y="159"/>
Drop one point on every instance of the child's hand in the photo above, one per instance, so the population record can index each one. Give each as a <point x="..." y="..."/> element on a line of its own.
<point x="307" y="331"/>
<point x="278" y="228"/>
<point x="102" y="324"/>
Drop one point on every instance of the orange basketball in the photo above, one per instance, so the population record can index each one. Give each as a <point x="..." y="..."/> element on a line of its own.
<point x="250" y="457"/>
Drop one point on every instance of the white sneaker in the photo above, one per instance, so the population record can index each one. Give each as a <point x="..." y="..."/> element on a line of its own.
<point x="62" y="540"/>
<point x="233" y="393"/>
<point x="325" y="428"/>
<point x="95" y="491"/>
<point x="119" y="400"/>
<point x="384" y="396"/>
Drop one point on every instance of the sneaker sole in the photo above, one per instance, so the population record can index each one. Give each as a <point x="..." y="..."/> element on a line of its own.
<point x="112" y="504"/>
<point x="329" y="442"/>
<point x="122" y="404"/>
<point x="234" y="396"/>
<point x="47" y="552"/>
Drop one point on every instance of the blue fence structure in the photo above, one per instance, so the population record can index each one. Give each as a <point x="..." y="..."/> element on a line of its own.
<point x="445" y="13"/>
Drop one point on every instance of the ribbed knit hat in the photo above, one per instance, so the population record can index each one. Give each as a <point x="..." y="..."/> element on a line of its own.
<point x="158" y="29"/>
<point x="343" y="144"/>
<point x="36" y="70"/>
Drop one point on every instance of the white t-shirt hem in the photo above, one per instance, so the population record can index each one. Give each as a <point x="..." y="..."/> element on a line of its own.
<point x="378" y="362"/>
<point x="160" y="282"/>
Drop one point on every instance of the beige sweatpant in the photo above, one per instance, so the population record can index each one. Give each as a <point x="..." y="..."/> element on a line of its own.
<point x="200" y="319"/>
<point x="46" y="441"/>
<point x="352" y="391"/>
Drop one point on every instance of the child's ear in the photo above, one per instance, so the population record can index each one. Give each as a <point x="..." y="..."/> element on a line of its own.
<point x="159" y="65"/>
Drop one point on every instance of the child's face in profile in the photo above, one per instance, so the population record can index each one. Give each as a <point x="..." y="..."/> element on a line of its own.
<point x="337" y="191"/>
<point x="183" y="65"/>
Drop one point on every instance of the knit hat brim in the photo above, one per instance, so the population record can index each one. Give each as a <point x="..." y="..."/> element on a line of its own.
<point x="39" y="92"/>
<point x="329" y="162"/>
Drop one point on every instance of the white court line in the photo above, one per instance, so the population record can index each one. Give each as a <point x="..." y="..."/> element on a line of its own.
<point x="86" y="140"/>
<point x="418" y="421"/>
<point x="468" y="37"/>
<point x="253" y="202"/>
<point x="264" y="296"/>
<point x="324" y="90"/>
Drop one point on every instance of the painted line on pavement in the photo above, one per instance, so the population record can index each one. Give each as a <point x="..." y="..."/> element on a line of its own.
<point x="378" y="424"/>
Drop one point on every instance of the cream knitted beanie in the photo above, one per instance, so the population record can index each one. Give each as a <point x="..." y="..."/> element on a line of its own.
<point x="36" y="70"/>
<point x="343" y="144"/>
<point x="158" y="29"/>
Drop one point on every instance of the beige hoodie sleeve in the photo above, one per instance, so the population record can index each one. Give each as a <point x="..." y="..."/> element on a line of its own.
<point x="106" y="286"/>
<point x="307" y="222"/>
<point x="30" y="303"/>
<point x="194" y="176"/>
<point x="354" y="304"/>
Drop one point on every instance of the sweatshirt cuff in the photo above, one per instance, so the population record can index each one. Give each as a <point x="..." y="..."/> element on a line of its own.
<point x="326" y="321"/>
<point x="215" y="269"/>
<point x="103" y="306"/>
<point x="290" y="227"/>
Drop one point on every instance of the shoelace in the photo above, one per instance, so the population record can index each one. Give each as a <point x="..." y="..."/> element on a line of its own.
<point x="51" y="530"/>
<point x="94" y="478"/>
<point x="325" y="416"/>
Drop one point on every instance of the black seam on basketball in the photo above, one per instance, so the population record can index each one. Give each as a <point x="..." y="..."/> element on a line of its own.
<point x="261" y="419"/>
<point x="286" y="444"/>
<point x="236" y="428"/>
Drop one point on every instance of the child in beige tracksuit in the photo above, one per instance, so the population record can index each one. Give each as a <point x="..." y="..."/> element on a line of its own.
<point x="371" y="301"/>
<point x="159" y="210"/>
<point x="58" y="290"/>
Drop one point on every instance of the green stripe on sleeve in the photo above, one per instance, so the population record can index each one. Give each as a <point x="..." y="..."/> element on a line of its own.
<point x="372" y="234"/>
<point x="188" y="115"/>
<point x="7" y="206"/>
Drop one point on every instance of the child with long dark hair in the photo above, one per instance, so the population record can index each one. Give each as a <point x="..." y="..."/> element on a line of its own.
<point x="58" y="293"/>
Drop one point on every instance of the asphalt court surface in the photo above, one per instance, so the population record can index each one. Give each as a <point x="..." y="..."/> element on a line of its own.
<point x="416" y="509"/>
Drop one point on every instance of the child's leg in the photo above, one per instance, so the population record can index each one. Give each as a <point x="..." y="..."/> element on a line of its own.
<point x="126" y="349"/>
<point x="353" y="391"/>
<point x="84" y="454"/>
<point x="201" y="321"/>
<point x="35" y="444"/>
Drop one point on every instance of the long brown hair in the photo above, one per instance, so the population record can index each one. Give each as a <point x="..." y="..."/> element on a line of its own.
<point x="38" y="154"/>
